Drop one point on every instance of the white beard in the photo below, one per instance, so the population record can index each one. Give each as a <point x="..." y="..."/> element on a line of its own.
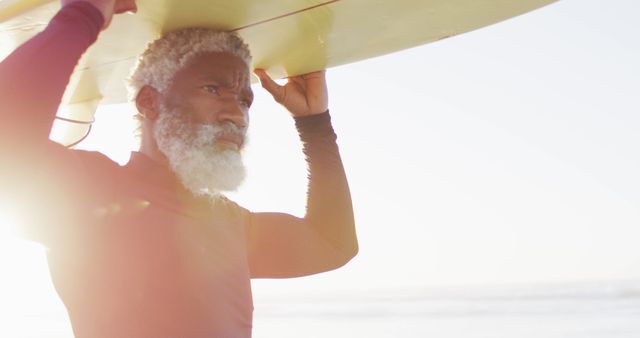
<point x="202" y="167"/>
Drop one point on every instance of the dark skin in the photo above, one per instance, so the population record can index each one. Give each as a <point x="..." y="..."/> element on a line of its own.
<point x="214" y="88"/>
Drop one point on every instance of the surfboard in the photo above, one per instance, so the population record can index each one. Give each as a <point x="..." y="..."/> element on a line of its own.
<point x="286" y="37"/>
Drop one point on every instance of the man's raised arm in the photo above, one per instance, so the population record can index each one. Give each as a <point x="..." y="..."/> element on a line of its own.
<point x="281" y="245"/>
<point x="35" y="173"/>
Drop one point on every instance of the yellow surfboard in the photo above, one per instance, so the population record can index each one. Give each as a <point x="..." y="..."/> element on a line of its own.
<point x="286" y="37"/>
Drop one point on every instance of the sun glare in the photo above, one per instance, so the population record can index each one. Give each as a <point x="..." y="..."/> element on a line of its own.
<point x="27" y="296"/>
<point x="8" y="225"/>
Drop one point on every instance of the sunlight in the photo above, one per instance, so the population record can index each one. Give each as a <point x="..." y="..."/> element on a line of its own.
<point x="8" y="225"/>
<point x="26" y="289"/>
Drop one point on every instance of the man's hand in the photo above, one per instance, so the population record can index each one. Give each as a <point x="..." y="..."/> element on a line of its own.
<point x="302" y="95"/>
<point x="108" y="7"/>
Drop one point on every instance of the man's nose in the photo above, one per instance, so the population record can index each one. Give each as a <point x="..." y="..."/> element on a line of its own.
<point x="234" y="111"/>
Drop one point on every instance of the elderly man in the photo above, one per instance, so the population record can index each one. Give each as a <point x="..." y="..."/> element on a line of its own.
<point x="153" y="249"/>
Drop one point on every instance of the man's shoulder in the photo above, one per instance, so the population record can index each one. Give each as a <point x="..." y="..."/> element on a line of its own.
<point x="96" y="159"/>
<point x="224" y="201"/>
<point x="97" y="165"/>
<point x="232" y="208"/>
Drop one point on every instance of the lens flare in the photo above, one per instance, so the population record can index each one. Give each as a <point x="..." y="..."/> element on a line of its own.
<point x="8" y="225"/>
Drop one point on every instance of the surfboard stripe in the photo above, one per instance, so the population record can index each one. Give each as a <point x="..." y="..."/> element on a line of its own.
<point x="284" y="15"/>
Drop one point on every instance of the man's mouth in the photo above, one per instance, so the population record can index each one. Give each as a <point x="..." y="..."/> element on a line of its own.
<point x="229" y="141"/>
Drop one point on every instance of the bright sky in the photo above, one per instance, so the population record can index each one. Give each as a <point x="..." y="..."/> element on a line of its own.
<point x="508" y="154"/>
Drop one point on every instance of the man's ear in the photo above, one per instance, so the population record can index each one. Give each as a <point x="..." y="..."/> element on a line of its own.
<point x="148" y="103"/>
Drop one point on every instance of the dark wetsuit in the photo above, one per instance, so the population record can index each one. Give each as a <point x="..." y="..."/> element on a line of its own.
<point x="131" y="252"/>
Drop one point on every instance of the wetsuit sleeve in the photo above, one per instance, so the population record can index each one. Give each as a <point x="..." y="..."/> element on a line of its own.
<point x="282" y="245"/>
<point x="35" y="173"/>
<point x="34" y="77"/>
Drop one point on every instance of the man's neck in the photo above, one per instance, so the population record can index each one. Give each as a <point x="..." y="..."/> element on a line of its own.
<point x="150" y="148"/>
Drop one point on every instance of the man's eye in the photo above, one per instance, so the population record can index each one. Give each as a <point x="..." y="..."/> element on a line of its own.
<point x="246" y="102"/>
<point x="211" y="89"/>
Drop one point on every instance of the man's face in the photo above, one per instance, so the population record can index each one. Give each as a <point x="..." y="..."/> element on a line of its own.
<point x="213" y="89"/>
<point x="203" y="121"/>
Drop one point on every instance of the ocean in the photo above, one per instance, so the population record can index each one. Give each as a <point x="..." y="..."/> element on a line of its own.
<point x="588" y="310"/>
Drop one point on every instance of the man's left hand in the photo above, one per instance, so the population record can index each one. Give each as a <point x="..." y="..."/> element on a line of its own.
<point x="302" y="95"/>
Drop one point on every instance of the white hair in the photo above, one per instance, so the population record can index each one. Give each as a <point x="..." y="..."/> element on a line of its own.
<point x="164" y="57"/>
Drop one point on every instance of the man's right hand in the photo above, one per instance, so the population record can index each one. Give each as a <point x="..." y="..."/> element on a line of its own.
<point x="109" y="7"/>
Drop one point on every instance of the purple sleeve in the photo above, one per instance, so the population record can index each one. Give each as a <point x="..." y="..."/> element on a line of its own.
<point x="281" y="245"/>
<point x="41" y="182"/>
<point x="329" y="205"/>
<point x="33" y="78"/>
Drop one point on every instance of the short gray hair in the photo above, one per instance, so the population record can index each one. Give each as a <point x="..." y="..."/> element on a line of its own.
<point x="165" y="56"/>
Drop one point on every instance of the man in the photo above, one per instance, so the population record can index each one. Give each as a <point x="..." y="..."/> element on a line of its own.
<point x="153" y="249"/>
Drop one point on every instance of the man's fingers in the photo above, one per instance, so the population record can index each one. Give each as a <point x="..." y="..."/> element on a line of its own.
<point x="124" y="6"/>
<point x="276" y="90"/>
<point x="304" y="94"/>
<point x="314" y="75"/>
<point x="300" y="82"/>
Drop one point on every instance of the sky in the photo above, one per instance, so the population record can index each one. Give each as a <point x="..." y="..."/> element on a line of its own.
<point x="504" y="155"/>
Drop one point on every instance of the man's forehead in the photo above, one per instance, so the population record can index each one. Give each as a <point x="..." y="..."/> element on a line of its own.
<point x="218" y="66"/>
<point x="223" y="76"/>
